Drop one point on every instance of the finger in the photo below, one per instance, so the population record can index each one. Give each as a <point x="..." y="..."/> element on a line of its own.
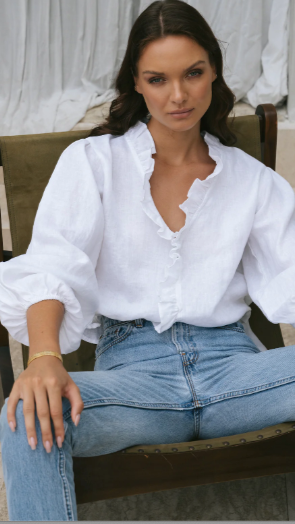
<point x="55" y="405"/>
<point x="29" y="415"/>
<point x="11" y="407"/>
<point x="74" y="396"/>
<point x="43" y="413"/>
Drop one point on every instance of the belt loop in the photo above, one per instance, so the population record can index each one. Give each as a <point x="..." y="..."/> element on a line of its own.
<point x="138" y="322"/>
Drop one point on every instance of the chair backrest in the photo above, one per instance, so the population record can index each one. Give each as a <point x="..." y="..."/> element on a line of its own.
<point x="28" y="162"/>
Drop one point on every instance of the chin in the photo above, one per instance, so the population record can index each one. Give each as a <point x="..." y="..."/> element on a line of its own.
<point x="182" y="126"/>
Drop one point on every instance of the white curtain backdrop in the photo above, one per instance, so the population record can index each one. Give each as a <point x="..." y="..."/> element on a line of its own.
<point x="59" y="58"/>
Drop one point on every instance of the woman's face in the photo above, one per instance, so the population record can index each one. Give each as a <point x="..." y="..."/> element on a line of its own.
<point x="174" y="73"/>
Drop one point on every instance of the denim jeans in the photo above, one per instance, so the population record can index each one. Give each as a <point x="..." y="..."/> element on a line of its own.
<point x="184" y="384"/>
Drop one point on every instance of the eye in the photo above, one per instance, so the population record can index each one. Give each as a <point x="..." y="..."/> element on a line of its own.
<point x="192" y="74"/>
<point x="196" y="72"/>
<point x="154" y="80"/>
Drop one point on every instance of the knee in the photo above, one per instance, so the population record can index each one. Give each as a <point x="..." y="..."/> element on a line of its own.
<point x="5" y="432"/>
<point x="12" y="439"/>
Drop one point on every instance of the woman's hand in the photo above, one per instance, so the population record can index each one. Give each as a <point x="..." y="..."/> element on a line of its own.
<point x="44" y="377"/>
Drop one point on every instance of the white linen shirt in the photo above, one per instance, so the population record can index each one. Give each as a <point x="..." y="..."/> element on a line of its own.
<point x="100" y="246"/>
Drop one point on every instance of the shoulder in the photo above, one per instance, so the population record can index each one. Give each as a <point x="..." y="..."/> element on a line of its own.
<point x="257" y="173"/>
<point x="254" y="170"/>
<point x="84" y="146"/>
<point x="255" y="181"/>
<point x="236" y="156"/>
<point x="240" y="167"/>
<point x="102" y="146"/>
<point x="94" y="151"/>
<point x="253" y="176"/>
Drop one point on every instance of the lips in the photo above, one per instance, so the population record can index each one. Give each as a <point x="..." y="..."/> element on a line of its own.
<point x="180" y="112"/>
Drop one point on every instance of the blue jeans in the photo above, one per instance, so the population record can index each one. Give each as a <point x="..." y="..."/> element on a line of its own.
<point x="184" y="384"/>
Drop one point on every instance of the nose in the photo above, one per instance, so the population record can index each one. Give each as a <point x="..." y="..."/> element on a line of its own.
<point x="178" y="94"/>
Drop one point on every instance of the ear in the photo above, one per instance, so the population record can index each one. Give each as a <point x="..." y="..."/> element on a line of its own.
<point x="136" y="87"/>
<point x="134" y="78"/>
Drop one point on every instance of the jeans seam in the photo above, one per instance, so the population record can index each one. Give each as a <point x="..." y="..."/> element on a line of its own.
<point x="187" y="372"/>
<point x="197" y="422"/>
<point x="147" y="405"/>
<point x="185" y="369"/>
<point x="244" y="392"/>
<point x="192" y="360"/>
<point x="66" y="488"/>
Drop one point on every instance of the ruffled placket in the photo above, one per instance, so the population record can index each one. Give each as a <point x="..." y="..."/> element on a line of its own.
<point x="169" y="295"/>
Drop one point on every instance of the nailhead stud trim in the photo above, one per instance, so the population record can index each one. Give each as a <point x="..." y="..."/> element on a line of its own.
<point x="209" y="446"/>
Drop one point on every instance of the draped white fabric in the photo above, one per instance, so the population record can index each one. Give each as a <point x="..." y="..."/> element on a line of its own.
<point x="272" y="86"/>
<point x="60" y="57"/>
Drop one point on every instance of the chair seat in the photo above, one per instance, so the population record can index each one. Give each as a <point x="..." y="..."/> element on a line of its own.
<point x="145" y="469"/>
<point x="28" y="162"/>
<point x="220" y="442"/>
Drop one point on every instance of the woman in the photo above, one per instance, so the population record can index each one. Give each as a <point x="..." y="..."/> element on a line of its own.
<point x="161" y="228"/>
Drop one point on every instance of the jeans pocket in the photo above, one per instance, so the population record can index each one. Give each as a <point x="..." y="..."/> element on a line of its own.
<point x="113" y="335"/>
<point x="235" y="326"/>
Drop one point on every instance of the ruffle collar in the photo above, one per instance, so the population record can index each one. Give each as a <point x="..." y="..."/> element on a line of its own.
<point x="144" y="146"/>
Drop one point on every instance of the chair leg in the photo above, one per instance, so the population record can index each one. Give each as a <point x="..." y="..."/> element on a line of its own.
<point x="6" y="370"/>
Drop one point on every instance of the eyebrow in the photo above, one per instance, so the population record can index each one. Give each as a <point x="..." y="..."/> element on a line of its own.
<point x="187" y="69"/>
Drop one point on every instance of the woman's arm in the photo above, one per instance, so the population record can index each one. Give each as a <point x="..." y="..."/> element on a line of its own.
<point x="44" y="320"/>
<point x="62" y="256"/>
<point x="49" y="295"/>
<point x="45" y="381"/>
<point x="269" y="256"/>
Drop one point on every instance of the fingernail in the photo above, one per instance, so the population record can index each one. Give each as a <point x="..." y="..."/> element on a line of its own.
<point x="11" y="424"/>
<point x="77" y="420"/>
<point x="47" y="446"/>
<point x="32" y="443"/>
<point x="59" y="442"/>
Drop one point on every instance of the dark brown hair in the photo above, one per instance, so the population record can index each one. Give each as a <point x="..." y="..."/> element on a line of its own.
<point x="158" y="20"/>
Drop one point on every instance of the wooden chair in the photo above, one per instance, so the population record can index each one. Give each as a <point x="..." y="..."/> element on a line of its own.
<point x="28" y="162"/>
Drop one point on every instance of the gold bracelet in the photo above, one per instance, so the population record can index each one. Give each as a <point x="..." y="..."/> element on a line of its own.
<point x="52" y="353"/>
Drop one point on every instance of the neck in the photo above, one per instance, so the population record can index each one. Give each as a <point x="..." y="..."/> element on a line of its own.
<point x="177" y="148"/>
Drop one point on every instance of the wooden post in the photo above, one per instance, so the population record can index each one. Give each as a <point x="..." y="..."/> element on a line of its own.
<point x="269" y="131"/>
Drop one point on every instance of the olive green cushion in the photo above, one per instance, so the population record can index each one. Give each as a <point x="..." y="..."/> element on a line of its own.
<point x="28" y="162"/>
